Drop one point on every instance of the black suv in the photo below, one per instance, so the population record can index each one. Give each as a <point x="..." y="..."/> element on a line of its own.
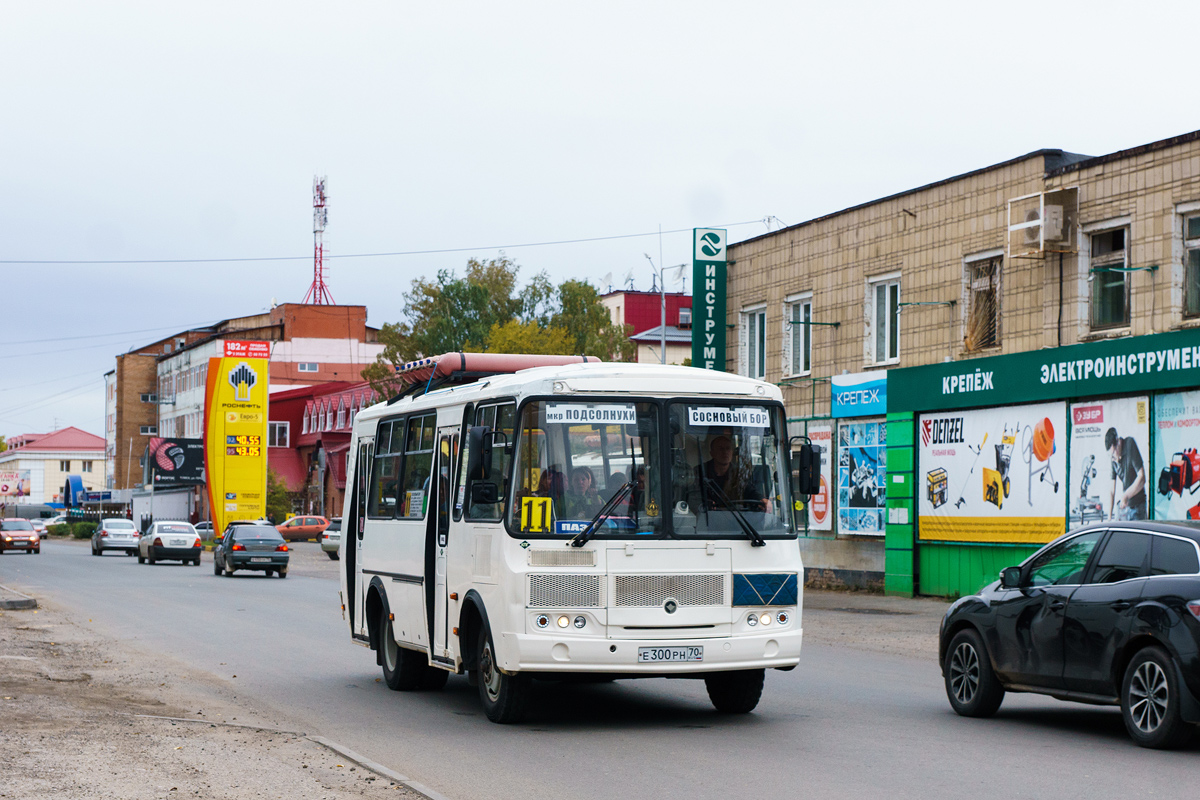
<point x="1107" y="614"/>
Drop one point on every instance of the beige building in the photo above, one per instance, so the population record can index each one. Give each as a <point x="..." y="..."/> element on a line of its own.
<point x="48" y="461"/>
<point x="1047" y="250"/>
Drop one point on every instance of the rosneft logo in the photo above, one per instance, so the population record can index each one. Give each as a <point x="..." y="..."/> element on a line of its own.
<point x="242" y="378"/>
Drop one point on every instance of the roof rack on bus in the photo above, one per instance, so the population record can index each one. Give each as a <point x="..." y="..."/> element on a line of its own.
<point x="455" y="369"/>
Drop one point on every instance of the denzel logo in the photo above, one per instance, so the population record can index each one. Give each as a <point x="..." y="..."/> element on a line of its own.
<point x="242" y="378"/>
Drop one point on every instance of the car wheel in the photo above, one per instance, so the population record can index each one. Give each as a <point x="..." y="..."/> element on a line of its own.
<point x="150" y="558"/>
<point x="434" y="679"/>
<point x="38" y="550"/>
<point x="141" y="559"/>
<point x="505" y="697"/>
<point x="735" y="692"/>
<point x="403" y="669"/>
<point x="196" y="561"/>
<point x="216" y="566"/>
<point x="228" y="571"/>
<point x="333" y="556"/>
<point x="282" y="572"/>
<point x="128" y="552"/>
<point x="95" y="552"/>
<point x="971" y="686"/>
<point x="1150" y="701"/>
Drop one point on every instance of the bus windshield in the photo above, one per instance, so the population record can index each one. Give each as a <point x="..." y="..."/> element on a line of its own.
<point x="573" y="457"/>
<point x="726" y="461"/>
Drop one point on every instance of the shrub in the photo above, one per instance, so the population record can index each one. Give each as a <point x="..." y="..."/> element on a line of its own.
<point x="59" y="530"/>
<point x="83" y="530"/>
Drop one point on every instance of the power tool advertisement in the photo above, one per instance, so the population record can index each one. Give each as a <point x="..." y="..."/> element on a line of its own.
<point x="1110" y="460"/>
<point x="1175" y="479"/>
<point x="992" y="475"/>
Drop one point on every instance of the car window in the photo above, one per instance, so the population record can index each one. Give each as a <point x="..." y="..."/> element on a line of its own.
<point x="177" y="527"/>
<point x="118" y="524"/>
<point x="245" y="533"/>
<point x="15" y="525"/>
<point x="1063" y="564"/>
<point x="1124" y="556"/>
<point x="1174" y="557"/>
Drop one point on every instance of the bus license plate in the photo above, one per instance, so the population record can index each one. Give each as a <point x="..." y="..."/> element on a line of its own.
<point x="670" y="654"/>
<point x="260" y="561"/>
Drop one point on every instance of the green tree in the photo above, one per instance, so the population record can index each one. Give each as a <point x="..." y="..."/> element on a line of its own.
<point x="515" y="336"/>
<point x="3" y="444"/>
<point x="592" y="330"/>
<point x="279" y="499"/>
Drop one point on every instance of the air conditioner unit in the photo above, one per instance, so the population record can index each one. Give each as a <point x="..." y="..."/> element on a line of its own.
<point x="1053" y="223"/>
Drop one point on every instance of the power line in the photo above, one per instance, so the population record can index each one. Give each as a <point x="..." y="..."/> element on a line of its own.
<point x="113" y="333"/>
<point x="366" y="255"/>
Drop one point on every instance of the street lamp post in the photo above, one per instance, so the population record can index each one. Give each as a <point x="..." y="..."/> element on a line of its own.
<point x="662" y="297"/>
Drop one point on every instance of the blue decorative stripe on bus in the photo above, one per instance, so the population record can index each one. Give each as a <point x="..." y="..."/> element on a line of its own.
<point x="773" y="589"/>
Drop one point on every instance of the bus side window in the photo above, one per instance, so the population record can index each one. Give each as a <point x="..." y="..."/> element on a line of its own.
<point x="385" y="473"/>
<point x="501" y="419"/>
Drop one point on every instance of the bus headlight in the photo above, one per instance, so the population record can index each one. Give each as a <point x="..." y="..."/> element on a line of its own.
<point x="783" y="617"/>
<point x="542" y="620"/>
<point x="765" y="619"/>
<point x="752" y="619"/>
<point x="580" y="621"/>
<point x="564" y="621"/>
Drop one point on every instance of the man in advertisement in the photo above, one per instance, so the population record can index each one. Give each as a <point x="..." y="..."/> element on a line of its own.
<point x="1127" y="467"/>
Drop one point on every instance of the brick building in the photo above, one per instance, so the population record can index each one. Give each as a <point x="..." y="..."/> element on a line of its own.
<point x="1053" y="255"/>
<point x="643" y="313"/>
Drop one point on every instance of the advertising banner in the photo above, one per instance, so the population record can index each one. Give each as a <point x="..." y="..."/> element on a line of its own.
<point x="176" y="462"/>
<point x="1110" y="450"/>
<point x="862" y="478"/>
<point x="1175" y="478"/>
<point x="14" y="483"/>
<point x="708" y="298"/>
<point x="820" y="506"/>
<point x="993" y="474"/>
<point x="863" y="394"/>
<point x="235" y="438"/>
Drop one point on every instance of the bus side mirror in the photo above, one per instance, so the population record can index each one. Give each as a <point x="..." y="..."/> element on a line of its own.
<point x="806" y="469"/>
<point x="479" y="454"/>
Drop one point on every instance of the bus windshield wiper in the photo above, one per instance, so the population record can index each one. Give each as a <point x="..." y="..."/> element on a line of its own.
<point x="755" y="539"/>
<point x="605" y="511"/>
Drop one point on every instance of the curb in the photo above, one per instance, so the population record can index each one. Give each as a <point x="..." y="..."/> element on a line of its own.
<point x="22" y="601"/>
<point x="344" y="752"/>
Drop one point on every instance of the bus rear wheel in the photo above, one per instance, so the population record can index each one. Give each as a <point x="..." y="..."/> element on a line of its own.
<point x="735" y="692"/>
<point x="403" y="669"/>
<point x="505" y="697"/>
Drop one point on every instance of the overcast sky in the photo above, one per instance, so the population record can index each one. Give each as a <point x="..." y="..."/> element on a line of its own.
<point x="173" y="131"/>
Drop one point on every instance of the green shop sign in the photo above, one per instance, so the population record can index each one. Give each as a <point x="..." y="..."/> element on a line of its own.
<point x="708" y="298"/>
<point x="1114" y="366"/>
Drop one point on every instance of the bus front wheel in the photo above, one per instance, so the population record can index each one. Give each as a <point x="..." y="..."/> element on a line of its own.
<point x="505" y="697"/>
<point x="735" y="692"/>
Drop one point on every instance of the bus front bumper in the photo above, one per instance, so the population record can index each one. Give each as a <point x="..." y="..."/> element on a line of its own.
<point x="548" y="653"/>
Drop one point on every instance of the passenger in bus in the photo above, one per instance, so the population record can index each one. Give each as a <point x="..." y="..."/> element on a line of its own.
<point x="582" y="500"/>
<point x="734" y="476"/>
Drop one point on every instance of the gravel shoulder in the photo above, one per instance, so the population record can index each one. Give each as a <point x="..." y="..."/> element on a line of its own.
<point x="84" y="716"/>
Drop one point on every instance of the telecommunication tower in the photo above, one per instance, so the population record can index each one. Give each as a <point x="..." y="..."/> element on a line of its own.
<point x="318" y="294"/>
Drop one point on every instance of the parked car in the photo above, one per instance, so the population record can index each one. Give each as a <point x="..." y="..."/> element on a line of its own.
<point x="61" y="519"/>
<point x="1108" y="614"/>
<point x="204" y="528"/>
<point x="18" y="534"/>
<point x="38" y="526"/>
<point x="331" y="538"/>
<point x="255" y="547"/>
<point x="303" y="528"/>
<point x="115" y="534"/>
<point x="170" y="541"/>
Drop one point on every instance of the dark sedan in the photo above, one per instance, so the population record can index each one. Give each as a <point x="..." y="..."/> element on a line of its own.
<point x="252" y="547"/>
<point x="1108" y="614"/>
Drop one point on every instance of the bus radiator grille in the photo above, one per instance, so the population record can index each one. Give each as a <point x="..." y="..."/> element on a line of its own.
<point x="651" y="591"/>
<point x="565" y="591"/>
<point x="562" y="557"/>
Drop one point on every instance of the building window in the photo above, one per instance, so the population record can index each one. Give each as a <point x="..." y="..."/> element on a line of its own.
<point x="308" y="366"/>
<point x="149" y="398"/>
<point x="983" y="303"/>
<point x="85" y="467"/>
<point x="64" y="466"/>
<point x="149" y="430"/>
<point x="754" y="342"/>
<point x="1191" y="266"/>
<point x="797" y="340"/>
<point x="1110" y="281"/>
<point x="341" y="418"/>
<point x="883" y="320"/>
<point x="304" y="426"/>
<point x="277" y="434"/>
<point x="685" y="317"/>
<point x="327" y="415"/>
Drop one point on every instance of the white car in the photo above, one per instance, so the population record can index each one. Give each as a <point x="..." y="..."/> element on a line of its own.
<point x="170" y="541"/>
<point x="331" y="538"/>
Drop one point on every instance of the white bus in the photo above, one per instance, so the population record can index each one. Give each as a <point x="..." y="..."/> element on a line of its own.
<point x="522" y="517"/>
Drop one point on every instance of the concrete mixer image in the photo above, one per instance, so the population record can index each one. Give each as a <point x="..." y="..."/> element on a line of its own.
<point x="1039" y="446"/>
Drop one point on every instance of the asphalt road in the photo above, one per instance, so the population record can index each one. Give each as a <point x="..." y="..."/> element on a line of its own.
<point x="847" y="722"/>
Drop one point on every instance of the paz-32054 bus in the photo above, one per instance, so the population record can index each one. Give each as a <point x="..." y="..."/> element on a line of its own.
<point x="538" y="517"/>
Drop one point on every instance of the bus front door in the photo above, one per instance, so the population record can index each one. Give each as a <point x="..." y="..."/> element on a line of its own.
<point x="439" y="618"/>
<point x="353" y="548"/>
